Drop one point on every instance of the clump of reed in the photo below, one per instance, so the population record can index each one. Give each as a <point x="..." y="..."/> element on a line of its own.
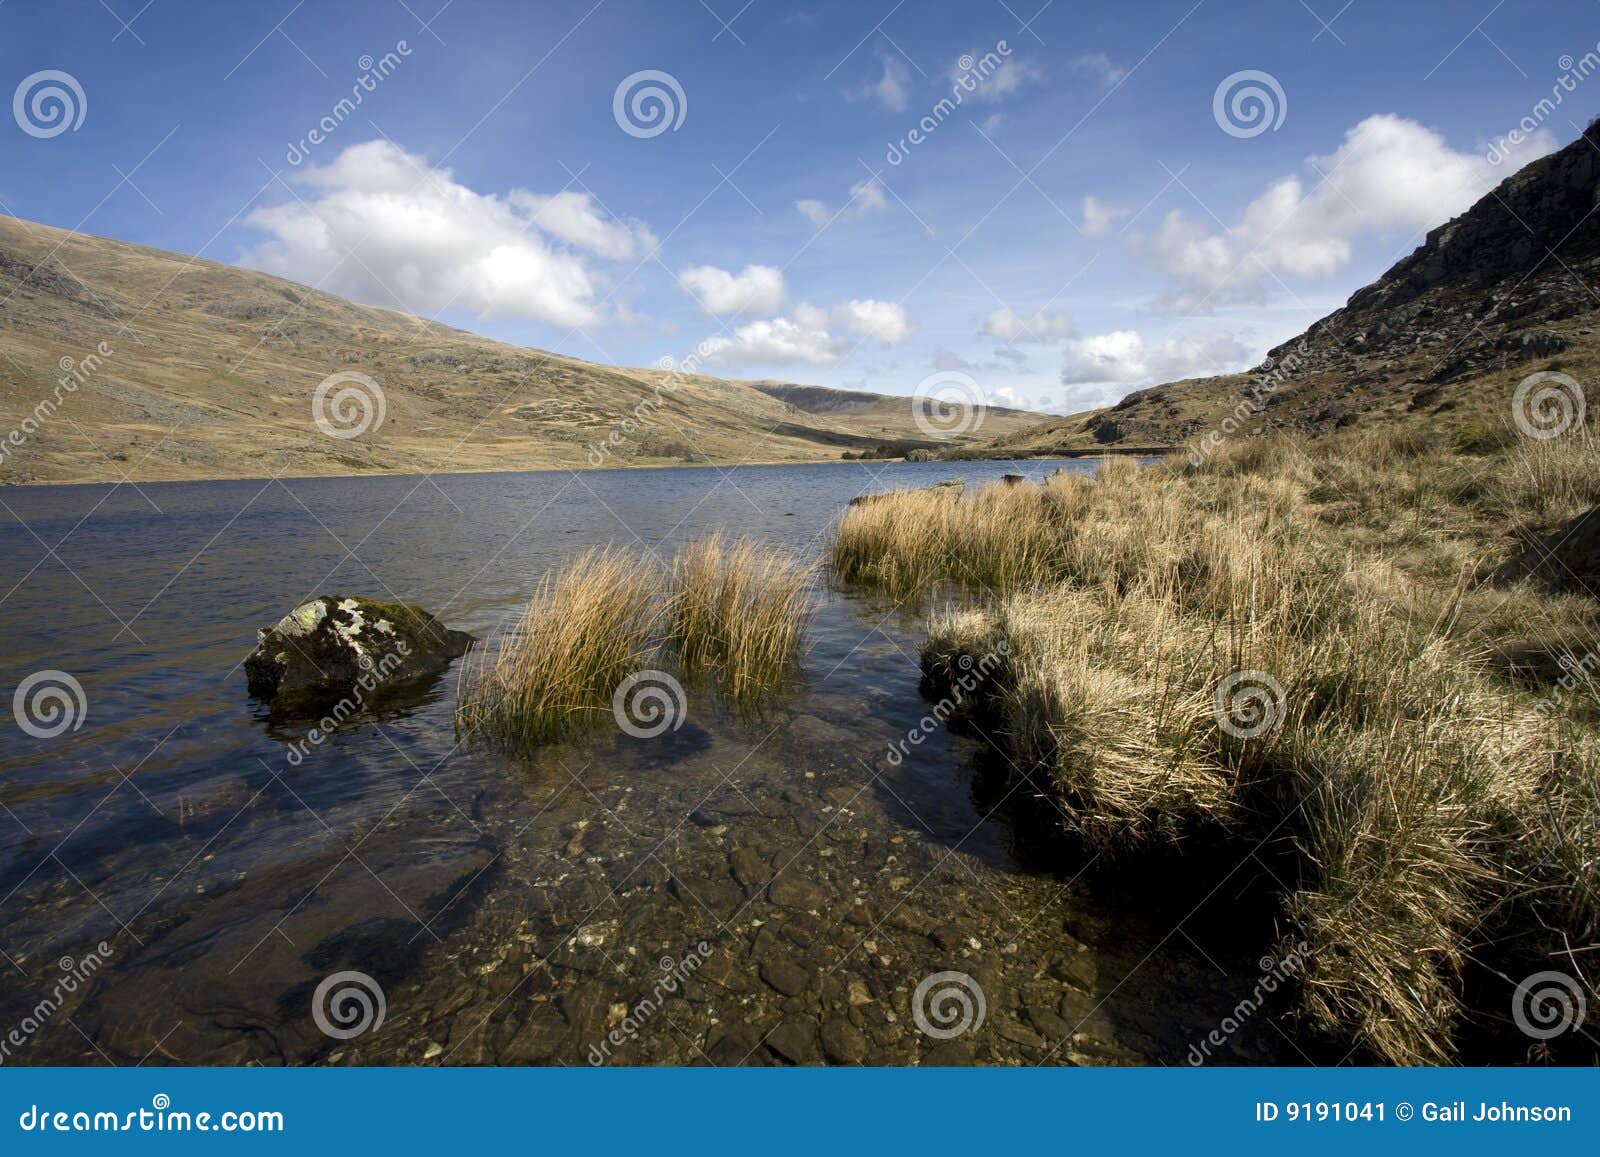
<point x="738" y="610"/>
<point x="1436" y="815"/>
<point x="591" y="624"/>
<point x="732" y="614"/>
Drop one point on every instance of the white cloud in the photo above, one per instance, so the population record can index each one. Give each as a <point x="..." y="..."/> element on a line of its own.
<point x="577" y="219"/>
<point x="1389" y="174"/>
<point x="810" y="335"/>
<point x="1044" y="326"/>
<point x="983" y="80"/>
<point x="885" y="320"/>
<point x="1098" y="217"/>
<point x="1098" y="66"/>
<point x="1122" y="357"/>
<point x="378" y="227"/>
<point x="866" y="196"/>
<point x="779" y="339"/>
<point x="755" y="289"/>
<point x="892" y="89"/>
<point x="813" y="210"/>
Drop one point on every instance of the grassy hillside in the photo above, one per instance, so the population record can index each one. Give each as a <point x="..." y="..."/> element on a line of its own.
<point x="153" y="365"/>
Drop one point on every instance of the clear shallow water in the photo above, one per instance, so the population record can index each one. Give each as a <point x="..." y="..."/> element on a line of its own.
<point x="513" y="908"/>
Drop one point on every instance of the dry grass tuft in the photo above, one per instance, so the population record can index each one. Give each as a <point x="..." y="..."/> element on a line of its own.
<point x="1440" y="812"/>
<point x="589" y="627"/>
<point x="732" y="612"/>
<point x="739" y="610"/>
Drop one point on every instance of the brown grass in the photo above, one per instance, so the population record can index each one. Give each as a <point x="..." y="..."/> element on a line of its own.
<point x="739" y="610"/>
<point x="731" y="612"/>
<point x="1440" y="812"/>
<point x="590" y="626"/>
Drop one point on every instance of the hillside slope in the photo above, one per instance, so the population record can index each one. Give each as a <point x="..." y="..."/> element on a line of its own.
<point x="1507" y="288"/>
<point x="119" y="361"/>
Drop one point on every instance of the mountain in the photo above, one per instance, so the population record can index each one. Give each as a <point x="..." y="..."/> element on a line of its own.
<point x="1508" y="288"/>
<point x="119" y="361"/>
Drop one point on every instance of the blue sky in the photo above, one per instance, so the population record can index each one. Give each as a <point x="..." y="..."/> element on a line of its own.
<point x="1081" y="223"/>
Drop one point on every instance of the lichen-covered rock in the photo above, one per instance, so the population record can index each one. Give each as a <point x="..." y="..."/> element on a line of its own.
<point x="331" y="648"/>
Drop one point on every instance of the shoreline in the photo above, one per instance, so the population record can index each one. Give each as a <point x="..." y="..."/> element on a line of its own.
<point x="1063" y="455"/>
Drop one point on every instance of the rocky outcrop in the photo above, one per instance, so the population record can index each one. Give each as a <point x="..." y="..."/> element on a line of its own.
<point x="334" y="648"/>
<point x="1526" y="252"/>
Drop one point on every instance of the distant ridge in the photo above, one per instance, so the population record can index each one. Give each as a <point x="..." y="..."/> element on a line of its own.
<point x="121" y="361"/>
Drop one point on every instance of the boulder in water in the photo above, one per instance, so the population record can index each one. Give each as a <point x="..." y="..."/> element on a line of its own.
<point x="333" y="648"/>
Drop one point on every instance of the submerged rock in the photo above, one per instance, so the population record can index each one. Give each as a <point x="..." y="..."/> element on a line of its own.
<point x="332" y="648"/>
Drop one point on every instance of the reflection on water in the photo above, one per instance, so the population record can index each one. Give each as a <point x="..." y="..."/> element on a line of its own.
<point x="794" y="884"/>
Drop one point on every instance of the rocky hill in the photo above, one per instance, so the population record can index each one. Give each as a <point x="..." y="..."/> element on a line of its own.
<point x="118" y="361"/>
<point x="1509" y="287"/>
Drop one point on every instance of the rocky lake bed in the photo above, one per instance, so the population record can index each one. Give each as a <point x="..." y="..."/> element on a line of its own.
<point x="757" y="887"/>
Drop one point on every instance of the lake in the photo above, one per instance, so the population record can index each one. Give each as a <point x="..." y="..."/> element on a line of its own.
<point x="599" y="901"/>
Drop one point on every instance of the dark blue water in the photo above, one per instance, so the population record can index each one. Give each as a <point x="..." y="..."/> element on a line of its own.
<point x="505" y="904"/>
